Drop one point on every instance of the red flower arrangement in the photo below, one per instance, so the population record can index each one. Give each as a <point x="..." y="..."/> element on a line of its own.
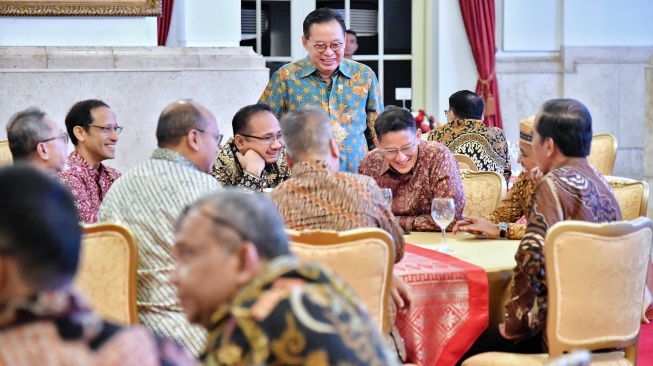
<point x="424" y="122"/>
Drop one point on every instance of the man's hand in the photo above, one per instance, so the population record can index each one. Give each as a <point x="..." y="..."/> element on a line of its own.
<point x="536" y="175"/>
<point x="502" y="331"/>
<point x="476" y="226"/>
<point x="400" y="292"/>
<point x="251" y="162"/>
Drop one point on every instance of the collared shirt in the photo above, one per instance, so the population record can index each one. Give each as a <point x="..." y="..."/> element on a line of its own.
<point x="572" y="192"/>
<point x="89" y="185"/>
<point x="486" y="146"/>
<point x="291" y="314"/>
<point x="57" y="328"/>
<point x="435" y="174"/>
<point x="149" y="199"/>
<point x="514" y="207"/>
<point x="228" y="171"/>
<point x="352" y="100"/>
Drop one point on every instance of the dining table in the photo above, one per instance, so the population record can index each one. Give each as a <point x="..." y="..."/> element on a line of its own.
<point x="456" y="295"/>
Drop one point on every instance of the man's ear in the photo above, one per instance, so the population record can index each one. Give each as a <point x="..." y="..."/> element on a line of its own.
<point x="550" y="147"/>
<point x="333" y="148"/>
<point x="79" y="133"/>
<point x="377" y="143"/>
<point x="305" y="43"/>
<point x="240" y="142"/>
<point x="193" y="140"/>
<point x="42" y="151"/>
<point x="249" y="262"/>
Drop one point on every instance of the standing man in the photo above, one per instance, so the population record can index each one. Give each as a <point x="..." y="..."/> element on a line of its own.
<point x="37" y="140"/>
<point x="150" y="197"/>
<point x="415" y="170"/>
<point x="253" y="159"/>
<point x="347" y="90"/>
<point x="351" y="44"/>
<point x="94" y="131"/>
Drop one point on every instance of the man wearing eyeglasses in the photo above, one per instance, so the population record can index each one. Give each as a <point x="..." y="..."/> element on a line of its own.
<point x="347" y="90"/>
<point x="416" y="171"/>
<point x="150" y="197"/>
<point x="94" y="131"/>
<point x="37" y="140"/>
<point x="253" y="159"/>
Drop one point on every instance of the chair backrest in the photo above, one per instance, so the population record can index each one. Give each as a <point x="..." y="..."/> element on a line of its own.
<point x="632" y="196"/>
<point x="363" y="258"/>
<point x="483" y="192"/>
<point x="465" y="162"/>
<point x="107" y="271"/>
<point x="596" y="275"/>
<point x="5" y="153"/>
<point x="603" y="153"/>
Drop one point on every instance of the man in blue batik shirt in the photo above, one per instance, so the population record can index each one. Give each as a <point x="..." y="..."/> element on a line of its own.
<point x="347" y="90"/>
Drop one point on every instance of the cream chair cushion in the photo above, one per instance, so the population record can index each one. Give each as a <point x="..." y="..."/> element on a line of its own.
<point x="483" y="192"/>
<point x="5" y="153"/>
<point x="107" y="271"/>
<point x="365" y="264"/>
<point x="603" y="153"/>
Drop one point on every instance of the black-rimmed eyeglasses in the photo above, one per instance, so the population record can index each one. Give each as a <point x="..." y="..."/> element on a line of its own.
<point x="268" y="139"/>
<point x="321" y="47"/>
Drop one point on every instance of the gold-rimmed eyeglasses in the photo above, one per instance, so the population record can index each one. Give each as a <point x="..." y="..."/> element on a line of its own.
<point x="218" y="137"/>
<point x="63" y="136"/>
<point x="392" y="153"/>
<point x="321" y="47"/>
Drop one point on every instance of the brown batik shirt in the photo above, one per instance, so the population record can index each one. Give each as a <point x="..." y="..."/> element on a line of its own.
<point x="572" y="192"/>
<point x="435" y="174"/>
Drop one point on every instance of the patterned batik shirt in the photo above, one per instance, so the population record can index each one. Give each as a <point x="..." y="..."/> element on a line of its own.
<point x="149" y="199"/>
<point x="228" y="171"/>
<point x="435" y="174"/>
<point x="572" y="192"/>
<point x="486" y="146"/>
<point x="291" y="314"/>
<point x="352" y="100"/>
<point x="57" y="328"/>
<point x="89" y="185"/>
<point x="514" y="207"/>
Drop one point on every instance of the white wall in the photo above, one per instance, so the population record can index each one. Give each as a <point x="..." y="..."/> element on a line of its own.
<point x="205" y="23"/>
<point x="533" y="25"/>
<point x="64" y="31"/>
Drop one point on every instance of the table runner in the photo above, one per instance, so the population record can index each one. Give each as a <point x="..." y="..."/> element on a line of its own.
<point x="450" y="306"/>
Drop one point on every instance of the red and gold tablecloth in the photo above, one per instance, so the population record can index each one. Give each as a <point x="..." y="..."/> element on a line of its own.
<point x="450" y="307"/>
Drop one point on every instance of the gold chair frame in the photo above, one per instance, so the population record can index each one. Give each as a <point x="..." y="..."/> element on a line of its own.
<point x="604" y="165"/>
<point x="465" y="162"/>
<point x="621" y="182"/>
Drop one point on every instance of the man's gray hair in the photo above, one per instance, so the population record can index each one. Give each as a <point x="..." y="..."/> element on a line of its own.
<point x="25" y="130"/>
<point x="306" y="131"/>
<point x="252" y="216"/>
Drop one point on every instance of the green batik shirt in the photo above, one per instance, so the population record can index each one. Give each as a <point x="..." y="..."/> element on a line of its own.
<point x="352" y="100"/>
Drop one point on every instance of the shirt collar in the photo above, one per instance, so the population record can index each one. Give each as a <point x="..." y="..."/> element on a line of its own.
<point x="76" y="160"/>
<point x="307" y="67"/>
<point x="173" y="156"/>
<point x="311" y="166"/>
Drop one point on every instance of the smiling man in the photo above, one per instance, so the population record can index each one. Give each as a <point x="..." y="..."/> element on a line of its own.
<point x="347" y="90"/>
<point x="94" y="131"/>
<point x="416" y="171"/>
<point x="253" y="159"/>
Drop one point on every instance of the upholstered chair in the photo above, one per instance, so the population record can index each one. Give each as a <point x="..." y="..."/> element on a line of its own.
<point x="603" y="153"/>
<point x="632" y="196"/>
<point x="5" y="153"/>
<point x="483" y="192"/>
<point x="465" y="162"/>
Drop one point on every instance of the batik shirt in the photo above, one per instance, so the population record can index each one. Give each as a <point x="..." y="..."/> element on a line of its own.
<point x="291" y="314"/>
<point x="89" y="185"/>
<point x="575" y="191"/>
<point x="149" y="199"/>
<point x="435" y="174"/>
<point x="514" y="207"/>
<point x="352" y="100"/>
<point x="228" y="171"/>
<point x="57" y="329"/>
<point x="486" y="146"/>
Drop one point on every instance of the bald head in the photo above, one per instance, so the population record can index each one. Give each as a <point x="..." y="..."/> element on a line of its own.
<point x="178" y="119"/>
<point x="307" y="132"/>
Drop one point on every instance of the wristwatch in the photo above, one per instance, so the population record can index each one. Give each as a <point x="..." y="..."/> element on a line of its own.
<point x="503" y="228"/>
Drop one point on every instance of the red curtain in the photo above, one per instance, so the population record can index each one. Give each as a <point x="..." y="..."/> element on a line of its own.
<point x="163" y="22"/>
<point x="478" y="16"/>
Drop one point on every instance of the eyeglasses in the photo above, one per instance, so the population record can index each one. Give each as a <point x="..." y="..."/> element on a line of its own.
<point x="63" y="136"/>
<point x="446" y="112"/>
<point x="267" y="140"/>
<point x="218" y="137"/>
<point x="392" y="153"/>
<point x="108" y="129"/>
<point x="321" y="47"/>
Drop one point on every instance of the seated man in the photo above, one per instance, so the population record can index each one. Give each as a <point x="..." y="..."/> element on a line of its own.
<point x="253" y="159"/>
<point x="466" y="134"/>
<point x="43" y="320"/>
<point x="416" y="171"/>
<point x="571" y="189"/>
<point x="506" y="220"/>
<point x="150" y="197"/>
<point x="93" y="129"/>
<point x="236" y="276"/>
<point x="37" y="140"/>
<point x="318" y="196"/>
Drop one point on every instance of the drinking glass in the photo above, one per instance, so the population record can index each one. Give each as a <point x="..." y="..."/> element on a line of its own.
<point x="386" y="193"/>
<point x="443" y="211"/>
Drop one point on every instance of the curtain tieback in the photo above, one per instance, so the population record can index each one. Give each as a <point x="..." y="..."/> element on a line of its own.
<point x="486" y="94"/>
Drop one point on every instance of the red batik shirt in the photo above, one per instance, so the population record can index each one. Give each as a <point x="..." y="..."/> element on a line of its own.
<point x="89" y="185"/>
<point x="435" y="174"/>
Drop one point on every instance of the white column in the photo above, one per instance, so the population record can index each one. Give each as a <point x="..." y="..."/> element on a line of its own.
<point x="299" y="9"/>
<point x="205" y="23"/>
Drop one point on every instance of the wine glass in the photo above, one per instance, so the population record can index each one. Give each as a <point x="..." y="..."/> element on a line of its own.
<point x="386" y="193"/>
<point x="443" y="211"/>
